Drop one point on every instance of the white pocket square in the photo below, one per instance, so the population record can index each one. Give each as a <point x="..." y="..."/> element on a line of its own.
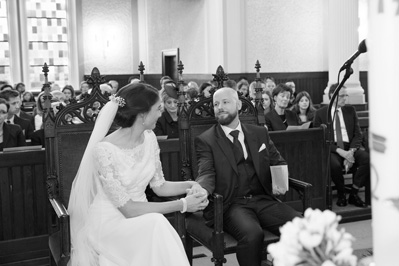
<point x="262" y="147"/>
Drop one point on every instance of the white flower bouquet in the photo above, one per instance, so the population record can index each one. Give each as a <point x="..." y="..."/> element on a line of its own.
<point x="313" y="241"/>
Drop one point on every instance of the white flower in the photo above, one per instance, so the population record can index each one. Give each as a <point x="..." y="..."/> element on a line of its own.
<point x="313" y="240"/>
<point x="328" y="263"/>
<point x="309" y="239"/>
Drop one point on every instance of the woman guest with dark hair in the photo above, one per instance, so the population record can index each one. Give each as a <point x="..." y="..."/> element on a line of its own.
<point x="168" y="124"/>
<point x="267" y="102"/>
<point x="280" y="117"/>
<point x="243" y="87"/>
<point x="20" y="87"/>
<point x="303" y="107"/>
<point x="112" y="221"/>
<point x="205" y="90"/>
<point x="69" y="93"/>
<point x="10" y="135"/>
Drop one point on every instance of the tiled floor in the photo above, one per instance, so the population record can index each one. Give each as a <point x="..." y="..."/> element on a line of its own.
<point x="360" y="230"/>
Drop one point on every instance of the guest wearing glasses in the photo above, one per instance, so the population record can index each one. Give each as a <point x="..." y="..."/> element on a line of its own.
<point x="346" y="151"/>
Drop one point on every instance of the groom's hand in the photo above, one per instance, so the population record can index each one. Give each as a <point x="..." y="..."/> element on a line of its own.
<point x="196" y="188"/>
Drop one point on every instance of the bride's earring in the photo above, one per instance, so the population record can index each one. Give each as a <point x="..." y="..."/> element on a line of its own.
<point x="144" y="119"/>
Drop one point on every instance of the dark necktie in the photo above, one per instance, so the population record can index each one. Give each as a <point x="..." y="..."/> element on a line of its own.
<point x="338" y="132"/>
<point x="238" y="151"/>
<point x="8" y="121"/>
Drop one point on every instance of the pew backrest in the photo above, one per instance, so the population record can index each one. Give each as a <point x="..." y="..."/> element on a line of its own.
<point x="67" y="134"/>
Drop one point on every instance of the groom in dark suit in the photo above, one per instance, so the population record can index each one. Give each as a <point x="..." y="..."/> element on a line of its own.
<point x="234" y="160"/>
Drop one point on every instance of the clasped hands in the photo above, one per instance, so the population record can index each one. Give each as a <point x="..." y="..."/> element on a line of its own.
<point x="197" y="198"/>
<point x="349" y="158"/>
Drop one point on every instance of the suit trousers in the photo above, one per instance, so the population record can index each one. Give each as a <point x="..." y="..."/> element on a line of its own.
<point x="245" y="220"/>
<point x="361" y="170"/>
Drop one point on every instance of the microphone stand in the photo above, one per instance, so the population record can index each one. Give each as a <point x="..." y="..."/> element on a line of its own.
<point x="330" y="130"/>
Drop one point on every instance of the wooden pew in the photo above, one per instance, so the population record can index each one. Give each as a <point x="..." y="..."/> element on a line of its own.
<point x="23" y="208"/>
<point x="306" y="154"/>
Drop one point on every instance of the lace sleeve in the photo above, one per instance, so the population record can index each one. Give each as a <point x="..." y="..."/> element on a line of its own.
<point x="158" y="179"/>
<point x="108" y="176"/>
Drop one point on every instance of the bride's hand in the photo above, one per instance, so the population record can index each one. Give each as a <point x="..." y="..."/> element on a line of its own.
<point x="196" y="188"/>
<point x="197" y="201"/>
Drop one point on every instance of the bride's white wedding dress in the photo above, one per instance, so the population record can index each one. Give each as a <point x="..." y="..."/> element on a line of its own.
<point x="140" y="241"/>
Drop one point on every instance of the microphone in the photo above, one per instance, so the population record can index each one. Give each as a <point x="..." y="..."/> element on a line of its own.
<point x="361" y="49"/>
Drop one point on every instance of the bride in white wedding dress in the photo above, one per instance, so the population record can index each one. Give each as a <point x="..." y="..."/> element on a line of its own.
<point x="112" y="223"/>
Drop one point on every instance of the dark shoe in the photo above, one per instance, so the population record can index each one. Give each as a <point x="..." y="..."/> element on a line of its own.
<point x="354" y="199"/>
<point x="341" y="202"/>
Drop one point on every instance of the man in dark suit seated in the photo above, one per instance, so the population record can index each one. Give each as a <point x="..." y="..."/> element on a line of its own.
<point x="234" y="160"/>
<point x="10" y="135"/>
<point x="13" y="99"/>
<point x="280" y="117"/>
<point x="346" y="151"/>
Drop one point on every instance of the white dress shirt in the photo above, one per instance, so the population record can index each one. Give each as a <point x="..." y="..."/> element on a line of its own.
<point x="345" y="137"/>
<point x="241" y="137"/>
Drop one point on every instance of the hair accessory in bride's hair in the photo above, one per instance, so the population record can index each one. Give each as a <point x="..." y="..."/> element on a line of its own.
<point x="118" y="99"/>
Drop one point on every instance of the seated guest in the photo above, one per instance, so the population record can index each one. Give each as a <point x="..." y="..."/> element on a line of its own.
<point x="280" y="117"/>
<point x="10" y="135"/>
<point x="345" y="151"/>
<point x="270" y="84"/>
<point x="230" y="84"/>
<point x="243" y="87"/>
<point x="39" y="111"/>
<point x="267" y="102"/>
<point x="28" y="101"/>
<point x="252" y="91"/>
<point x="167" y="124"/>
<point x="28" y="97"/>
<point x="234" y="160"/>
<point x="69" y="93"/>
<point x="303" y="107"/>
<point x="205" y="90"/>
<point x="15" y="115"/>
<point x="291" y="84"/>
<point x="115" y="86"/>
<point x="20" y="87"/>
<point x="84" y="91"/>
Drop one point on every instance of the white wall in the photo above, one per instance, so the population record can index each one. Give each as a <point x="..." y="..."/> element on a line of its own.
<point x="284" y="35"/>
<point x="176" y="24"/>
<point x="107" y="36"/>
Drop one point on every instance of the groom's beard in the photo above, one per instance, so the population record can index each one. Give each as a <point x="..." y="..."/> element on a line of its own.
<point x="226" y="118"/>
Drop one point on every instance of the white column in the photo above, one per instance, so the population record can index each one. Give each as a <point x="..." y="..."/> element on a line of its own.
<point x="383" y="43"/>
<point x="225" y="35"/>
<point x="343" y="41"/>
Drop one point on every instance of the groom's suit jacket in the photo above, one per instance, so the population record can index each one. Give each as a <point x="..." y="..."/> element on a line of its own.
<point x="217" y="167"/>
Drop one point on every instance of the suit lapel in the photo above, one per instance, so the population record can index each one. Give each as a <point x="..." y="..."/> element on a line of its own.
<point x="6" y="134"/>
<point x="252" y="144"/>
<point x="225" y="146"/>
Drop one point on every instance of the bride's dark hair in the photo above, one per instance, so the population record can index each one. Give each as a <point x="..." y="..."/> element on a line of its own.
<point x="139" y="98"/>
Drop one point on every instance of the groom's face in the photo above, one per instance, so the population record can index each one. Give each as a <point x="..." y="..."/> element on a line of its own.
<point x="226" y="105"/>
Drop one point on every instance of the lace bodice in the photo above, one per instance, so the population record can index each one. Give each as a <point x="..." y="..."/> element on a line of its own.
<point x="125" y="173"/>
